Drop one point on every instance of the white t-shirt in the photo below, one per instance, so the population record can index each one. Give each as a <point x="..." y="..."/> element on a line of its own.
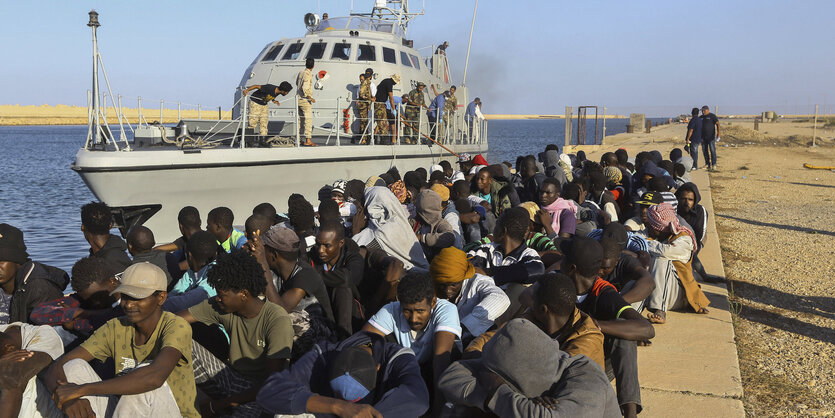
<point x="390" y="320"/>
<point x="38" y="338"/>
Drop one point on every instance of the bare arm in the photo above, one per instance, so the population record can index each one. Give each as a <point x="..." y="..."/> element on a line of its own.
<point x="644" y="285"/>
<point x="632" y="326"/>
<point x="166" y="247"/>
<point x="140" y="380"/>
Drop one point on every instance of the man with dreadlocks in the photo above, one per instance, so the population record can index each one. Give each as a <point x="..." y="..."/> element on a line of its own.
<point x="672" y="248"/>
<point x="260" y="337"/>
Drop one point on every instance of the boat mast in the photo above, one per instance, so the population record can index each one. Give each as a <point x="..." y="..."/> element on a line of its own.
<point x="469" y="43"/>
<point x="94" y="130"/>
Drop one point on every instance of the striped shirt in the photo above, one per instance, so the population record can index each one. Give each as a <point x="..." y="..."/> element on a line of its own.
<point x="522" y="265"/>
<point x="538" y="241"/>
<point x="635" y="242"/>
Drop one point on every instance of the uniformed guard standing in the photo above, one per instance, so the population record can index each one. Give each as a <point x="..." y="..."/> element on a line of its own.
<point x="414" y="101"/>
<point x="384" y="94"/>
<point x="363" y="104"/>
<point x="304" y="88"/>
<point x="450" y="106"/>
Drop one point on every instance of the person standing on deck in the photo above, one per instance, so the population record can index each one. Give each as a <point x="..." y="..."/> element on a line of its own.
<point x="473" y="116"/>
<point x="304" y="89"/>
<point x="710" y="135"/>
<point x="450" y="106"/>
<point x="384" y="94"/>
<point x="259" y="103"/>
<point x="364" y="103"/>
<point x="414" y="101"/>
<point x="436" y="112"/>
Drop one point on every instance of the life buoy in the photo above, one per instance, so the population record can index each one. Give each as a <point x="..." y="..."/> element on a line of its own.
<point x="346" y="123"/>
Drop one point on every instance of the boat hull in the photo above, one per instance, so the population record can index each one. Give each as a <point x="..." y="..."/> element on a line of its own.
<point x="236" y="178"/>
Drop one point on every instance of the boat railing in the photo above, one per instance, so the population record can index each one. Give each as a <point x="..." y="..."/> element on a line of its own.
<point x="337" y="118"/>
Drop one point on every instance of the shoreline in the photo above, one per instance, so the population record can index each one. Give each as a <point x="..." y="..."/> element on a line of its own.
<point x="32" y="115"/>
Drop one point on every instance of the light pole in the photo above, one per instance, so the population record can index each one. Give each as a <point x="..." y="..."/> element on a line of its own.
<point x="94" y="23"/>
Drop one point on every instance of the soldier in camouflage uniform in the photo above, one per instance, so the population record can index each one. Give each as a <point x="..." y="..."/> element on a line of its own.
<point x="414" y="101"/>
<point x="450" y="106"/>
<point x="364" y="103"/>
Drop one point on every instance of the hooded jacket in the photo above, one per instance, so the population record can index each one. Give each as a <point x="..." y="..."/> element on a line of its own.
<point x="435" y="232"/>
<point x="399" y="392"/>
<point x="551" y="161"/>
<point x="695" y="217"/>
<point x="113" y="252"/>
<point x="531" y="365"/>
<point x="35" y="283"/>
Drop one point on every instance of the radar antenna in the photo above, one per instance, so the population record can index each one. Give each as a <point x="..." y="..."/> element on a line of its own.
<point x="392" y="10"/>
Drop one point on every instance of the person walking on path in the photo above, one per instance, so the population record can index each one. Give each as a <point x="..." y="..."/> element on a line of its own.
<point x="710" y="134"/>
<point x="259" y="103"/>
<point x="304" y="89"/>
<point x="693" y="140"/>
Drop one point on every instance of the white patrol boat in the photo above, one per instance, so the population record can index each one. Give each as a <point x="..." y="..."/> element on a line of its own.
<point x="147" y="173"/>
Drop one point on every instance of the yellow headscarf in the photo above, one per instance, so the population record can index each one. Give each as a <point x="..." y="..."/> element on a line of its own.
<point x="451" y="266"/>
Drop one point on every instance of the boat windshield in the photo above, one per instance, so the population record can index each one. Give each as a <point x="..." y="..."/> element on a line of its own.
<point x="359" y="23"/>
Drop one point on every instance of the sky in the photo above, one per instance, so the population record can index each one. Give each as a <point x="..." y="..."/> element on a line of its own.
<point x="532" y="57"/>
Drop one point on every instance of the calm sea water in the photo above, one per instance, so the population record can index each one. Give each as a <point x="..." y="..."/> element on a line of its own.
<point x="41" y="195"/>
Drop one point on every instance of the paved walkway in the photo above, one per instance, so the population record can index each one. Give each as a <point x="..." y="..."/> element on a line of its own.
<point x="691" y="369"/>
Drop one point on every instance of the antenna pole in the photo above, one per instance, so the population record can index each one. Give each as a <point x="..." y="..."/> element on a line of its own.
<point x="469" y="43"/>
<point x="94" y="23"/>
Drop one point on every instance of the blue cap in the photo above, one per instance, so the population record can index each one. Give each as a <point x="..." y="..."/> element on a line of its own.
<point x="348" y="388"/>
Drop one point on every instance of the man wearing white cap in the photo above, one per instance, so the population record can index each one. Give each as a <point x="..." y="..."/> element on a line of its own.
<point x="151" y="350"/>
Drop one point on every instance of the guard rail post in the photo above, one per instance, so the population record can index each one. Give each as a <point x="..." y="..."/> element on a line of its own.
<point x="243" y="122"/>
<point x="371" y="121"/>
<point x="338" y="125"/>
<point x="139" y="107"/>
<point x="298" y="142"/>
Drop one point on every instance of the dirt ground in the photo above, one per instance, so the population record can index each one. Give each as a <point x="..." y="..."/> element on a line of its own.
<point x="777" y="229"/>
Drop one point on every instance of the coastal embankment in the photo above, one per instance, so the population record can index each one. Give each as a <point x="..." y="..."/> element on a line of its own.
<point x="768" y="344"/>
<point x="14" y="115"/>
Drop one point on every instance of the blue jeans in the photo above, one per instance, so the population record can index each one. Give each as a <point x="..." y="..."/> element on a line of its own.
<point x="694" y="153"/>
<point x="709" y="150"/>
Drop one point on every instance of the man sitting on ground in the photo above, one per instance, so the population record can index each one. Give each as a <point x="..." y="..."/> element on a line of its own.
<point x="523" y="373"/>
<point x="480" y="302"/>
<point x="364" y="375"/>
<point x="551" y="306"/>
<point x="96" y="222"/>
<point x="341" y="266"/>
<point x="25" y="350"/>
<point x="625" y="271"/>
<point x="152" y="353"/>
<point x="260" y="337"/>
<point x="141" y="247"/>
<point x="420" y="321"/>
<point x="622" y="325"/>
<point x="24" y="283"/>
<point x="672" y="249"/>
<point x="433" y="232"/>
<point x="80" y="313"/>
<point x="194" y="287"/>
<point x="219" y="223"/>
<point x="189" y="222"/>
<point x="508" y="260"/>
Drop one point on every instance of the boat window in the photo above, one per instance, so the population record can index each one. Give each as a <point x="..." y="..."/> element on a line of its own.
<point x="273" y="54"/>
<point x="388" y="55"/>
<point x="341" y="51"/>
<point x="404" y="58"/>
<point x="316" y="51"/>
<point x="415" y="61"/>
<point x="367" y="53"/>
<point x="293" y="51"/>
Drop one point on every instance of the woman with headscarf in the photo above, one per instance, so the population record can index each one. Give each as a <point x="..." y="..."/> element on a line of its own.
<point x="388" y="229"/>
<point x="672" y="247"/>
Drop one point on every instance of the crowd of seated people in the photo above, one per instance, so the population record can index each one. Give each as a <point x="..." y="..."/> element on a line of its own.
<point x="482" y="291"/>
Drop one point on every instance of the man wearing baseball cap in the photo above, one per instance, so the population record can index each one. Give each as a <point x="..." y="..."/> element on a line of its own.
<point x="364" y="374"/>
<point x="637" y="223"/>
<point x="151" y="350"/>
<point x="24" y="283"/>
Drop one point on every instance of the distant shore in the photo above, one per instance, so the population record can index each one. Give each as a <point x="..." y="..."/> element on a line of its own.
<point x="516" y="117"/>
<point x="16" y="115"/>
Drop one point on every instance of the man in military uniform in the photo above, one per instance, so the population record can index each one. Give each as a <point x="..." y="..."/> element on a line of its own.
<point x="414" y="101"/>
<point x="450" y="106"/>
<point x="363" y="104"/>
<point x="384" y="94"/>
<point x="304" y="89"/>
